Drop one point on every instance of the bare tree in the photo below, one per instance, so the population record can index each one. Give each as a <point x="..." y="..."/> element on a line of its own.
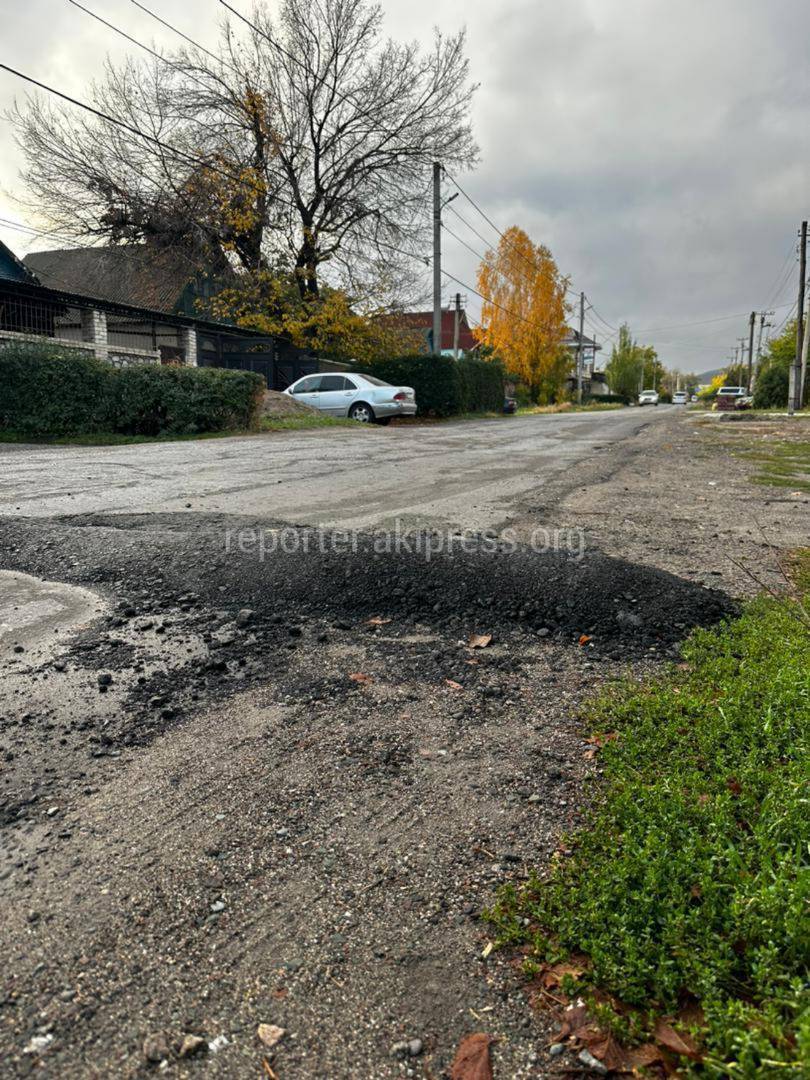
<point x="302" y="143"/>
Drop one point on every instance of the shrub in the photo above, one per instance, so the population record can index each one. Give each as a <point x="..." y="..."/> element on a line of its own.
<point x="481" y="385"/>
<point x="771" y="390"/>
<point x="48" y="391"/>
<point x="606" y="399"/>
<point x="444" y="386"/>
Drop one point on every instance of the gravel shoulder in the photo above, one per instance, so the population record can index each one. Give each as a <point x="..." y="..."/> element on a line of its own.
<point x="282" y="791"/>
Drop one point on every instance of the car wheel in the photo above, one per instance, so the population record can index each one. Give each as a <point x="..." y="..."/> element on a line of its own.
<point x="361" y="412"/>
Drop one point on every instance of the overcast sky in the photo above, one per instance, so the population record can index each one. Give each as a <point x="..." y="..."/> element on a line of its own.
<point x="658" y="147"/>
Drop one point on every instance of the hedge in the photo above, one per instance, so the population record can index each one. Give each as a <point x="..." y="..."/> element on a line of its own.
<point x="444" y="386"/>
<point x="45" y="390"/>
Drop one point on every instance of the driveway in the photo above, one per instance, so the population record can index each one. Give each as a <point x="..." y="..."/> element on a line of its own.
<point x="464" y="474"/>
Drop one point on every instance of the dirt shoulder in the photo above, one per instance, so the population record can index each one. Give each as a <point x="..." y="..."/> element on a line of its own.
<point x="300" y="786"/>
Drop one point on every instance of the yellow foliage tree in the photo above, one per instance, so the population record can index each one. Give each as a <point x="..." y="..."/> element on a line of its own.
<point x="327" y="323"/>
<point x="523" y="315"/>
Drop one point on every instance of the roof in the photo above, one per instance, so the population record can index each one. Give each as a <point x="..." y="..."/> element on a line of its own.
<point x="423" y="321"/>
<point x="12" y="269"/>
<point x="572" y="340"/>
<point x="136" y="274"/>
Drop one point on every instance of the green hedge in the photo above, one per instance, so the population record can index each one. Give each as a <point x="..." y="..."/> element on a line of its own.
<point x="771" y="389"/>
<point x="443" y="386"/>
<point x="46" y="390"/>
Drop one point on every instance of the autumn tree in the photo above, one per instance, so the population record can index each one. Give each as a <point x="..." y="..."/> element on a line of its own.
<point x="633" y="367"/>
<point x="523" y="315"/>
<point x="303" y="140"/>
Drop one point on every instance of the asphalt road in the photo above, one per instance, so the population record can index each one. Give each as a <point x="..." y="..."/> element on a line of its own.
<point x="459" y="473"/>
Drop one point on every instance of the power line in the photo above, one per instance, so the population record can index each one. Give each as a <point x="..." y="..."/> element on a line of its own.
<point x="180" y="33"/>
<point x="153" y="139"/>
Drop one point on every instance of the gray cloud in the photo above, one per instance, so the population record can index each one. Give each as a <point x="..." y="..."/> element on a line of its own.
<point x="659" y="147"/>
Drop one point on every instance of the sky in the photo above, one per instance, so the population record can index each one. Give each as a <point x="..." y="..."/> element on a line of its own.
<point x="659" y="148"/>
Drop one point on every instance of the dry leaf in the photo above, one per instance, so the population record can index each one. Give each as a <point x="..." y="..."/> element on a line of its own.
<point x="584" y="639"/>
<point x="359" y="677"/>
<point x="554" y="974"/>
<point x="665" y="1035"/>
<point x="734" y="786"/>
<point x="270" y="1034"/>
<point x="642" y="1057"/>
<point x="454" y="685"/>
<point x="377" y="620"/>
<point x="478" y="641"/>
<point x="472" y="1060"/>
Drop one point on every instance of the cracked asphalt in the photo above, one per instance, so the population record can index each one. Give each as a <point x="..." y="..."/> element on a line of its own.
<point x="243" y="788"/>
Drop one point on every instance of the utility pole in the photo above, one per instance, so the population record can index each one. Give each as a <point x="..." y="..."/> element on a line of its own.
<point x="763" y="315"/>
<point x="456" y="322"/>
<point x="751" y="323"/>
<point x="795" y="376"/>
<point x="437" y="258"/>
<point x="579" y="346"/>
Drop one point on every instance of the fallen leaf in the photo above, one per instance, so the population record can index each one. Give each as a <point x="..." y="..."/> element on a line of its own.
<point x="734" y="786"/>
<point x="574" y="1020"/>
<point x="377" y="620"/>
<point x="270" y="1034"/>
<point x="584" y="639"/>
<point x="359" y="677"/>
<point x="454" y="685"/>
<point x="554" y="974"/>
<point x="641" y="1057"/>
<point x="472" y="1060"/>
<point x="665" y="1035"/>
<point x="487" y="949"/>
<point x="478" y="641"/>
<point x="608" y="1050"/>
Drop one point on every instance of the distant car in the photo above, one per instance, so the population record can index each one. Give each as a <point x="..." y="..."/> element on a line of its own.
<point x="509" y="405"/>
<point x="360" y="397"/>
<point x="648" y="397"/>
<point x="680" y="397"/>
<point x="730" y="397"/>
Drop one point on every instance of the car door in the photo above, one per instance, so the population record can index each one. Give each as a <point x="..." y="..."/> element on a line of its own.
<point x="307" y="390"/>
<point x="333" y="397"/>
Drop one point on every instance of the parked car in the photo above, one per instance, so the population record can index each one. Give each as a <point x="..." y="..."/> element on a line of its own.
<point x="360" y="397"/>
<point x="648" y="397"/>
<point x="680" y="397"/>
<point x="730" y="397"/>
<point x="509" y="405"/>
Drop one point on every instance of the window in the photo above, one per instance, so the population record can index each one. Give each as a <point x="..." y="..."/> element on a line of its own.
<point x="308" y="385"/>
<point x="375" y="381"/>
<point x="332" y="382"/>
<point x="350" y="385"/>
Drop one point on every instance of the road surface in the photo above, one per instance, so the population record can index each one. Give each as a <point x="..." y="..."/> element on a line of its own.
<point x="458" y="473"/>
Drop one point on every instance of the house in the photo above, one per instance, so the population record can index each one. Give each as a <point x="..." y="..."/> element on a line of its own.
<point x="420" y="325"/>
<point x="594" y="381"/>
<point x="133" y="305"/>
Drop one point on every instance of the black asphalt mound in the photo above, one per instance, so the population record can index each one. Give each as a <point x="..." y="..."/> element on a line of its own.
<point x="471" y="584"/>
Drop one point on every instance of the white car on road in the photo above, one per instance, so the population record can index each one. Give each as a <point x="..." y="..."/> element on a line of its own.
<point x="680" y="397"/>
<point x="648" y="397"/>
<point x="360" y="397"/>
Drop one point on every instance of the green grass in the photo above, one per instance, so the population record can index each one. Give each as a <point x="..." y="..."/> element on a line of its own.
<point x="692" y="876"/>
<point x="783" y="464"/>
<point x="106" y="438"/>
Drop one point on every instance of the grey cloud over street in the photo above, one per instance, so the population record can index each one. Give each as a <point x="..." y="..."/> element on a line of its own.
<point x="660" y="149"/>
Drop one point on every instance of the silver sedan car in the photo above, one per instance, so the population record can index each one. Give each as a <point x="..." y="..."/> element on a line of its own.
<point x="360" y="397"/>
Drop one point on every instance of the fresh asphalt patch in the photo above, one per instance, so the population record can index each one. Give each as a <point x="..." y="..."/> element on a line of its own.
<point x="201" y="606"/>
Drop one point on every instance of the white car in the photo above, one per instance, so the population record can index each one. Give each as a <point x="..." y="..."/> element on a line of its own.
<point x="648" y="397"/>
<point x="680" y="397"/>
<point x="360" y="397"/>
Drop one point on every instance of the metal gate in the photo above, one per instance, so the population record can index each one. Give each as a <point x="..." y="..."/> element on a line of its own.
<point x="280" y="363"/>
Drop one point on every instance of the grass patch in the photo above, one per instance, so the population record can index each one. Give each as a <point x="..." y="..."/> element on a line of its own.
<point x="783" y="464"/>
<point x="107" y="438"/>
<point x="304" y="422"/>
<point x="691" y="880"/>
<point x="569" y="407"/>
